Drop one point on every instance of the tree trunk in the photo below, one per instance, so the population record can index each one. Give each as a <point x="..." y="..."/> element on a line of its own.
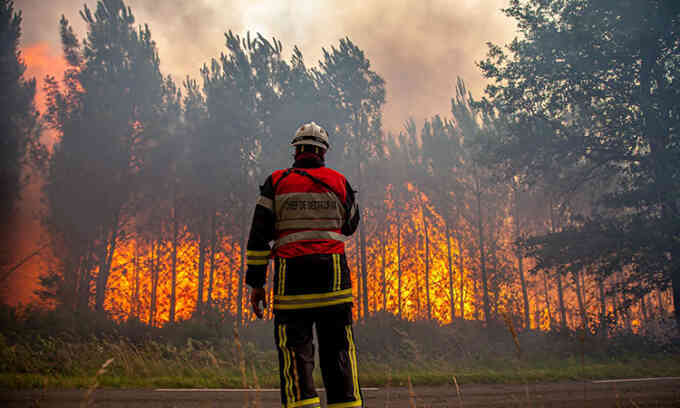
<point x="452" y="304"/>
<point x="660" y="305"/>
<point x="155" y="265"/>
<point x="525" y="293"/>
<point x="173" y="266"/>
<point x="416" y="271"/>
<point x="230" y="277"/>
<point x="537" y="314"/>
<point x="462" y="275"/>
<point x="242" y="274"/>
<point x="213" y="245"/>
<point x="384" y="278"/>
<point x="625" y="309"/>
<point x="478" y="304"/>
<point x="201" y="271"/>
<point x="83" y="285"/>
<point x="364" y="269"/>
<point x="560" y="296"/>
<point x="495" y="291"/>
<point x="105" y="269"/>
<point x="520" y="266"/>
<point x="603" y="307"/>
<point x="645" y="314"/>
<point x="427" y="270"/>
<point x="357" y="261"/>
<point x="547" y="299"/>
<point x="399" y="266"/>
<point x="675" y="282"/>
<point x="482" y="256"/>
<point x="579" y="296"/>
<point x="615" y="305"/>
<point x="136" y="297"/>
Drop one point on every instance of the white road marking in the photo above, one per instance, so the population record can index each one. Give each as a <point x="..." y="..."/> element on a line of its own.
<point x="636" y="380"/>
<point x="240" y="389"/>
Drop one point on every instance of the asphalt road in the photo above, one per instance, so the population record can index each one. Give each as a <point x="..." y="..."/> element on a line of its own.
<point x="656" y="393"/>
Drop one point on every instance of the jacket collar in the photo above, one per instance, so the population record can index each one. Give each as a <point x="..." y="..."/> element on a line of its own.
<point x="309" y="163"/>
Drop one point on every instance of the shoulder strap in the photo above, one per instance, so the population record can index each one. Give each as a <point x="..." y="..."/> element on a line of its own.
<point x="283" y="176"/>
<point x="318" y="181"/>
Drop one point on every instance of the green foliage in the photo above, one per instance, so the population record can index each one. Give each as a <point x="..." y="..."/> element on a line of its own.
<point x="107" y="115"/>
<point x="18" y="123"/>
<point x="37" y="352"/>
<point x="587" y="97"/>
<point x="357" y="95"/>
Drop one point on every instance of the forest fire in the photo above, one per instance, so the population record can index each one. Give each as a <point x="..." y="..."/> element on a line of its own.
<point x="445" y="233"/>
<point x="138" y="266"/>
<point x="407" y="258"/>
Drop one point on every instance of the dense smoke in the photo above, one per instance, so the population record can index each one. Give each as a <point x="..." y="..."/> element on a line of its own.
<point x="418" y="47"/>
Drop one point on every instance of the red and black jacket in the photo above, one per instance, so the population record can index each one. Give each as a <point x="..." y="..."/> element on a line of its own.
<point x="308" y="211"/>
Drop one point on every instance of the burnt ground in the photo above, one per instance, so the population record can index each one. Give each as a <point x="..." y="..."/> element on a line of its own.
<point x="658" y="393"/>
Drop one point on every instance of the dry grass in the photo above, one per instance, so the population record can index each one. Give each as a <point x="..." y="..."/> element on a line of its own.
<point x="460" y="398"/>
<point x="411" y="393"/>
<point x="242" y="365"/>
<point x="87" y="401"/>
<point x="518" y="348"/>
<point x="388" y="384"/>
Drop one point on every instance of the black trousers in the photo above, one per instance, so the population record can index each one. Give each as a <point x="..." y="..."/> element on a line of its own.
<point x="337" y="355"/>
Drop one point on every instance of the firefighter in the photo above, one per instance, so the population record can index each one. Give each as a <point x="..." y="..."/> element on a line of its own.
<point x="308" y="211"/>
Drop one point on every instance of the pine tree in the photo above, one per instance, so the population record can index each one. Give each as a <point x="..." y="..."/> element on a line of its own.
<point x="18" y="124"/>
<point x="112" y="90"/>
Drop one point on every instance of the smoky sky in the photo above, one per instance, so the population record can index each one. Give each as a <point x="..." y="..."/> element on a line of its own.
<point x="418" y="47"/>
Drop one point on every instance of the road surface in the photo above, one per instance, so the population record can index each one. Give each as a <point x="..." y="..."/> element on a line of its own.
<point x="632" y="393"/>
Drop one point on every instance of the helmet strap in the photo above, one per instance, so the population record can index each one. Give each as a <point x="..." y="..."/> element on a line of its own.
<point x="309" y="152"/>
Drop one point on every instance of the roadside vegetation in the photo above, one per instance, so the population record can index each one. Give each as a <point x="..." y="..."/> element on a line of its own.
<point x="50" y="349"/>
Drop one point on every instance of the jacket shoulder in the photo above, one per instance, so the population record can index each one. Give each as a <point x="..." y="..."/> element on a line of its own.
<point x="335" y="173"/>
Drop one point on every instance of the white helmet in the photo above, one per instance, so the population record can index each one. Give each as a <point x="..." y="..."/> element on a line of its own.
<point x="311" y="134"/>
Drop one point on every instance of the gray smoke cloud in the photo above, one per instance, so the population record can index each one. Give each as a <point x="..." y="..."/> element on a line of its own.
<point x="419" y="47"/>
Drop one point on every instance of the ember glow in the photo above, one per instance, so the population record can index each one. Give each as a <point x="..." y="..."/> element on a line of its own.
<point x="41" y="61"/>
<point x="139" y="265"/>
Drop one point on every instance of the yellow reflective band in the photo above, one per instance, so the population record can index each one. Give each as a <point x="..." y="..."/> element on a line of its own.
<point x="335" y="272"/>
<point x="258" y="253"/>
<point x="278" y="289"/>
<point x="314" y="295"/>
<point x="339" y="272"/>
<point x="267" y="203"/>
<point x="257" y="261"/>
<point x="295" y="375"/>
<point x="311" y="305"/>
<point x="286" y="362"/>
<point x="282" y="275"/>
<point x="345" y="404"/>
<point x="353" y="361"/>
<point x="310" y="236"/>
<point x="312" y="300"/>
<point x="311" y="402"/>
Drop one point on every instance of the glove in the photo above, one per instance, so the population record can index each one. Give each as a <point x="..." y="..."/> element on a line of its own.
<point x="258" y="295"/>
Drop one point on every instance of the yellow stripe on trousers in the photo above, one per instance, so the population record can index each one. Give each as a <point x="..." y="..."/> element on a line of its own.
<point x="295" y="375"/>
<point x="336" y="272"/>
<point x="287" y="383"/>
<point x="282" y="275"/>
<point x="352" y="351"/>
